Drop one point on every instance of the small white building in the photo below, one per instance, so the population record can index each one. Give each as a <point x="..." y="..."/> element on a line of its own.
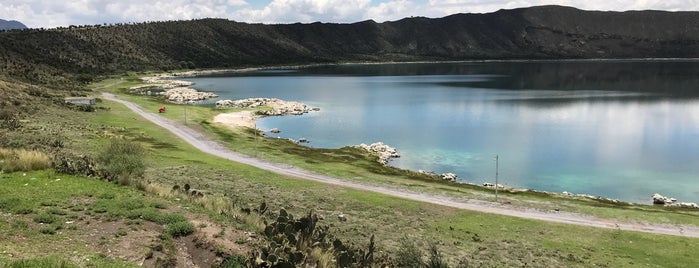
<point x="80" y="100"/>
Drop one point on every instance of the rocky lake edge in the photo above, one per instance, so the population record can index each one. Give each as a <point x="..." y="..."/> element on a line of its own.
<point x="179" y="92"/>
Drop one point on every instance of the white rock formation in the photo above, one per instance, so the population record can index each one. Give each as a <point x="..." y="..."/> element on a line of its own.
<point x="385" y="152"/>
<point x="449" y="177"/>
<point x="659" y="199"/>
<point x="279" y="107"/>
<point x="175" y="91"/>
<point x="187" y="95"/>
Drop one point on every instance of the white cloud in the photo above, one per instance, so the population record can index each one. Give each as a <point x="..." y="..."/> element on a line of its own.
<point x="52" y="13"/>
<point x="287" y="11"/>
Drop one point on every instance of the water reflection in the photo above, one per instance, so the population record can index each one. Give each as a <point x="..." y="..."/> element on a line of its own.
<point x="619" y="129"/>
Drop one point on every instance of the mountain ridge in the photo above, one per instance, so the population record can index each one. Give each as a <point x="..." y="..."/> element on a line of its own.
<point x="11" y="25"/>
<point x="543" y="32"/>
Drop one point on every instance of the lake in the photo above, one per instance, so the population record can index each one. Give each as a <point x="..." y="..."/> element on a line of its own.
<point x="618" y="129"/>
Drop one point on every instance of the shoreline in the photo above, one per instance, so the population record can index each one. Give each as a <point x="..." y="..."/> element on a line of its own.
<point x="237" y="119"/>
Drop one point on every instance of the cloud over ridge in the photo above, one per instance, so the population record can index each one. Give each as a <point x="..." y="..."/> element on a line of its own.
<point x="51" y="13"/>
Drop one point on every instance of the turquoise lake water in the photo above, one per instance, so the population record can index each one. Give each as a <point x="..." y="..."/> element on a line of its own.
<point x="619" y="129"/>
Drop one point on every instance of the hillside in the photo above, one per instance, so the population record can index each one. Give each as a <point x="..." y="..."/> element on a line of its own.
<point x="11" y="25"/>
<point x="545" y="32"/>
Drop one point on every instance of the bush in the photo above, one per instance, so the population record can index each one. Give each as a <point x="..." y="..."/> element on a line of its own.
<point x="122" y="161"/>
<point x="436" y="260"/>
<point x="408" y="255"/>
<point x="45" y="218"/>
<point x="12" y="160"/>
<point x="177" y="229"/>
<point x="234" y="261"/>
<point x="74" y="165"/>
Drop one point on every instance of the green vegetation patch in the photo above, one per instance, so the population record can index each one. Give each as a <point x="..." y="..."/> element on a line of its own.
<point x="58" y="209"/>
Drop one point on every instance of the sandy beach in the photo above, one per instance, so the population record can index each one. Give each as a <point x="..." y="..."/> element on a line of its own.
<point x="236" y="119"/>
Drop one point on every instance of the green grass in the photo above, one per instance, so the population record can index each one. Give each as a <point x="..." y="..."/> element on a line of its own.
<point x="59" y="207"/>
<point x="180" y="228"/>
<point x="530" y="241"/>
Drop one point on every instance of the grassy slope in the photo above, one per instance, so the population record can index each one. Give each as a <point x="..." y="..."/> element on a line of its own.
<point x="482" y="238"/>
<point x="74" y="205"/>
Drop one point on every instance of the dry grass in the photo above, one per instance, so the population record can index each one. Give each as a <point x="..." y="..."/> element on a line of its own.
<point x="323" y="258"/>
<point x="214" y="203"/>
<point x="12" y="160"/>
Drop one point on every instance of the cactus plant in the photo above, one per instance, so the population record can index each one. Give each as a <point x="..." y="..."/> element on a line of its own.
<point x="291" y="241"/>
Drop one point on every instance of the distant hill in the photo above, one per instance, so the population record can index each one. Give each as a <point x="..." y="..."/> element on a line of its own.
<point x="545" y="32"/>
<point x="11" y="25"/>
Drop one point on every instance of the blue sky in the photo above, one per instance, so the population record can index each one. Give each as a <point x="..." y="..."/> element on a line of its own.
<point x="53" y="13"/>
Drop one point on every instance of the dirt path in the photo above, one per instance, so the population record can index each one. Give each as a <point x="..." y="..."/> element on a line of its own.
<point x="206" y="145"/>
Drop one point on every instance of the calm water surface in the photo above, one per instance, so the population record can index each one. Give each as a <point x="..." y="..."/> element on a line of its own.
<point x="622" y="129"/>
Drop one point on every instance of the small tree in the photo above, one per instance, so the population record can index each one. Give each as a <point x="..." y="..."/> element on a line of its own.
<point x="122" y="161"/>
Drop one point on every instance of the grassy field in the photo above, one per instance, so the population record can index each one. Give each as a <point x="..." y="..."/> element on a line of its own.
<point x="48" y="216"/>
<point x="479" y="239"/>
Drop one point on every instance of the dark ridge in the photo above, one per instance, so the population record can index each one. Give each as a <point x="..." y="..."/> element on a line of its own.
<point x="78" y="53"/>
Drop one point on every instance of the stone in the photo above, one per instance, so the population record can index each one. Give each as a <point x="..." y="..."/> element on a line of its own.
<point x="342" y="217"/>
<point x="385" y="152"/>
<point x="449" y="177"/>
<point x="274" y="130"/>
<point x="661" y="200"/>
<point x="279" y="107"/>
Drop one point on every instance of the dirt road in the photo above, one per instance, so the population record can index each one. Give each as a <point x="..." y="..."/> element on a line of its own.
<point x="206" y="145"/>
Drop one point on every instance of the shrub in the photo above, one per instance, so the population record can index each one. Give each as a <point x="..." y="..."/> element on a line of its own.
<point x="122" y="161"/>
<point x="181" y="228"/>
<point x="12" y="160"/>
<point x="73" y="164"/>
<point x="234" y="261"/>
<point x="436" y="260"/>
<point x="408" y="255"/>
<point x="9" y="121"/>
<point x="45" y="218"/>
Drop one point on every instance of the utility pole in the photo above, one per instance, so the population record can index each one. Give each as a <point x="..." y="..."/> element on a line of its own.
<point x="255" y="132"/>
<point x="496" y="176"/>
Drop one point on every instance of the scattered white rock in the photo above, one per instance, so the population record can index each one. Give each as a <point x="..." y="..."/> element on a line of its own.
<point x="492" y="185"/>
<point x="342" y="217"/>
<point x="449" y="177"/>
<point x="427" y="172"/>
<point x="662" y="200"/>
<point x="279" y="107"/>
<point x="385" y="152"/>
<point x="659" y="199"/>
<point x="187" y="95"/>
<point x="176" y="91"/>
<point x="274" y="130"/>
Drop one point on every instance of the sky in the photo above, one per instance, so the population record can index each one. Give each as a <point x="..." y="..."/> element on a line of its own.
<point x="54" y="13"/>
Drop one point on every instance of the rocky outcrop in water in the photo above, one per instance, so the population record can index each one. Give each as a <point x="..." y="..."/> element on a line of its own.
<point x="659" y="199"/>
<point x="279" y="107"/>
<point x="187" y="95"/>
<point x="383" y="151"/>
<point x="449" y="177"/>
<point x="175" y="91"/>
